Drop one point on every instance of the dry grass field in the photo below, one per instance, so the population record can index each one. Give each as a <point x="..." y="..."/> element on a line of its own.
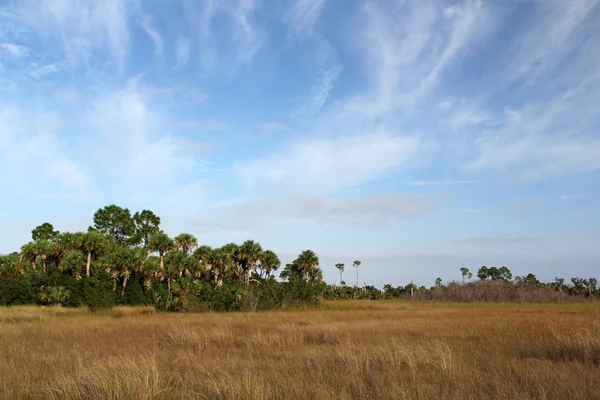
<point x="345" y="350"/>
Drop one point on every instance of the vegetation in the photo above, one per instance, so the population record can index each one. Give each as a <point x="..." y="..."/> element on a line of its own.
<point x="342" y="350"/>
<point x="126" y="259"/>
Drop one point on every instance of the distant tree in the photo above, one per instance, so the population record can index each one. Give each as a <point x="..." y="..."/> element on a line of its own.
<point x="438" y="282"/>
<point x="529" y="279"/>
<point x="559" y="284"/>
<point x="340" y="267"/>
<point x="185" y="242"/>
<point x="115" y="222"/>
<point x="591" y="285"/>
<point x="146" y="224"/>
<point x="44" y="232"/>
<point x="203" y="255"/>
<point x="92" y="242"/>
<point x="306" y="261"/>
<point x="465" y="272"/>
<point x="356" y="264"/>
<point x="74" y="261"/>
<point x="174" y="266"/>
<point x="483" y="273"/>
<point x="248" y="255"/>
<point x="160" y="243"/>
<point x="504" y="274"/>
<point x="269" y="262"/>
<point x="470" y="275"/>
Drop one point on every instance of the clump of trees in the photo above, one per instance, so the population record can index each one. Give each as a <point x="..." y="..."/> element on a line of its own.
<point x="125" y="259"/>
<point x="128" y="259"/>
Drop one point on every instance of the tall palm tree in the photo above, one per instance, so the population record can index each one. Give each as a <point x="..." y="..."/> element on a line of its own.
<point x="340" y="267"/>
<point x="74" y="261"/>
<point x="173" y="267"/>
<point x="186" y="242"/>
<point x="92" y="242"/>
<point x="356" y="264"/>
<point x="30" y="252"/>
<point x="160" y="243"/>
<point x="269" y="262"/>
<point x="465" y="272"/>
<point x="151" y="271"/>
<point x="315" y="274"/>
<point x="306" y="261"/>
<point x="126" y="261"/>
<point x="220" y="260"/>
<point x="248" y="255"/>
<point x="203" y="255"/>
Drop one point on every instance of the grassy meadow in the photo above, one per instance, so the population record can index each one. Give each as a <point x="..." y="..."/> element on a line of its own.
<point x="342" y="350"/>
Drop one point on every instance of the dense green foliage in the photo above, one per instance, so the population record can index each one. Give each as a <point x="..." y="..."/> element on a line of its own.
<point x="128" y="260"/>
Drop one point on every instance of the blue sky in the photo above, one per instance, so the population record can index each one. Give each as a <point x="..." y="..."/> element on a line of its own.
<point x="415" y="136"/>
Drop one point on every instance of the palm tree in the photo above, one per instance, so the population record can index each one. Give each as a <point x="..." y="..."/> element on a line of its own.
<point x="269" y="262"/>
<point x="173" y="267"/>
<point x="127" y="260"/>
<point x="160" y="243"/>
<point x="220" y="261"/>
<point x="340" y="267"/>
<point x="356" y="264"/>
<point x="92" y="242"/>
<point x="151" y="271"/>
<point x="202" y="254"/>
<point x="30" y="252"/>
<point x="74" y="261"/>
<point x="248" y="255"/>
<point x="186" y="242"/>
<point x="315" y="274"/>
<point x="465" y="272"/>
<point x="306" y="261"/>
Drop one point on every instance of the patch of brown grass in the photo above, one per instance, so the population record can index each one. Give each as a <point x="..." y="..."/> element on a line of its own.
<point x="353" y="350"/>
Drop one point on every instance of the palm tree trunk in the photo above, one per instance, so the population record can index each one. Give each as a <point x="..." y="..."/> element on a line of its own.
<point x="169" y="285"/>
<point x="33" y="265"/>
<point x="124" y="284"/>
<point x="87" y="265"/>
<point x="463" y="279"/>
<point x="162" y="260"/>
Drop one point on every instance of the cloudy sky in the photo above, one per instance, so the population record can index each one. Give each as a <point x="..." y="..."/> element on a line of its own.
<point x="415" y="136"/>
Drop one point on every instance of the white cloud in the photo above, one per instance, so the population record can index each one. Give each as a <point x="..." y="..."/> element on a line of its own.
<point x="302" y="15"/>
<point x="559" y="27"/>
<point x="568" y="197"/>
<point x="182" y="49"/>
<point x="146" y="23"/>
<point x="66" y="95"/>
<point x="406" y="46"/>
<point x="379" y="210"/>
<point x="39" y="72"/>
<point x="34" y="153"/>
<point x="273" y="126"/>
<point x="436" y="183"/>
<point x="82" y="29"/>
<point x="13" y="50"/>
<point x="248" y="37"/>
<point x="326" y="165"/>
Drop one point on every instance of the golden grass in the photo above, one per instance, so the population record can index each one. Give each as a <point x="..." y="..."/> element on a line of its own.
<point x="344" y="350"/>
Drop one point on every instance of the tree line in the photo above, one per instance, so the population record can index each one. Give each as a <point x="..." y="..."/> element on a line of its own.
<point x="128" y="259"/>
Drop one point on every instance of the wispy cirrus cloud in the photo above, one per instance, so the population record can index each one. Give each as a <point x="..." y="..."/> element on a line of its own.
<point x="302" y="15"/>
<point x="80" y="29"/>
<point x="321" y="166"/>
<point x="182" y="51"/>
<point x="407" y="46"/>
<point x="12" y="50"/>
<point x="146" y="23"/>
<point x="440" y="183"/>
